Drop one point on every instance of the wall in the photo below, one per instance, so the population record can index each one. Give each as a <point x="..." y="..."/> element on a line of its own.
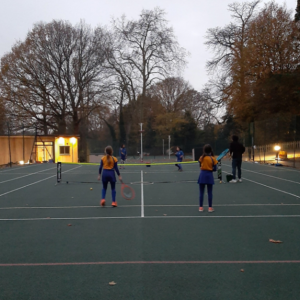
<point x="16" y="146"/>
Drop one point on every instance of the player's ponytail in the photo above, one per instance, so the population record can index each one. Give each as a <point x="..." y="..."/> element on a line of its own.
<point x="207" y="151"/>
<point x="108" y="152"/>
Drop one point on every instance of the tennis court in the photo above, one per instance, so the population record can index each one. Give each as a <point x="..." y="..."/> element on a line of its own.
<point x="58" y="243"/>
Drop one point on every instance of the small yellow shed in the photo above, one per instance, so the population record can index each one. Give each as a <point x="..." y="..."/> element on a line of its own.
<point x="24" y="149"/>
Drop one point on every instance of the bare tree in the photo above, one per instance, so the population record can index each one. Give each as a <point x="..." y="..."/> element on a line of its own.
<point x="56" y="76"/>
<point x="178" y="97"/>
<point x="229" y="42"/>
<point x="174" y="93"/>
<point x="144" y="52"/>
<point x="229" y="46"/>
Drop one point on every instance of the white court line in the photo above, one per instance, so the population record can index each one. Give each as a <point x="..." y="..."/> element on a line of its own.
<point x="275" y="168"/>
<point x="26" y="175"/>
<point x="16" y="168"/>
<point x="214" y="216"/>
<point x="160" y="172"/>
<point x="223" y="205"/>
<point x="152" y="205"/>
<point x="22" y="187"/>
<point x="142" y="196"/>
<point x="155" y="217"/>
<point x="267" y="186"/>
<point x="265" y="174"/>
<point x="15" y="173"/>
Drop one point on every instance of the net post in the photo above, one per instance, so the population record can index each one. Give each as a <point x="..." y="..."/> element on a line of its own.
<point x="58" y="179"/>
<point x="193" y="154"/>
<point x="219" y="167"/>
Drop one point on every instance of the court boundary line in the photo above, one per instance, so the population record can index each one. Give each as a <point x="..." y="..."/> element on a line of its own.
<point x="179" y="262"/>
<point x="150" y="205"/>
<point x="151" y="217"/>
<point x="247" y="170"/>
<point x="267" y="186"/>
<point x="22" y="187"/>
<point x="19" y="167"/>
<point x="29" y="174"/>
<point x="283" y="168"/>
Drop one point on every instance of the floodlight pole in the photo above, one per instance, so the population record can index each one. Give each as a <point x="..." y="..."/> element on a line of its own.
<point x="163" y="148"/>
<point x="141" y="124"/>
<point x="169" y="146"/>
<point x="23" y="143"/>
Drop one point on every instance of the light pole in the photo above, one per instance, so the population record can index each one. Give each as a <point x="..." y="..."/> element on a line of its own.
<point x="141" y="124"/>
<point x="277" y="148"/>
<point x="169" y="146"/>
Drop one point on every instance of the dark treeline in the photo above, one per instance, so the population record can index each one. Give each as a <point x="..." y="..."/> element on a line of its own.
<point x="102" y="82"/>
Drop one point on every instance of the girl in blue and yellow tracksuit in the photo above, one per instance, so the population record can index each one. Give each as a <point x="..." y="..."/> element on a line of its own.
<point x="179" y="154"/>
<point x="206" y="178"/>
<point x="109" y="164"/>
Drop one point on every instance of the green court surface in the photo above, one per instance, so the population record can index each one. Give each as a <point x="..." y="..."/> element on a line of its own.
<point x="58" y="243"/>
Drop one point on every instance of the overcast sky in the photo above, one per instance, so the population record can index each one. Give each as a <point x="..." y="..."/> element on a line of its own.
<point x="189" y="18"/>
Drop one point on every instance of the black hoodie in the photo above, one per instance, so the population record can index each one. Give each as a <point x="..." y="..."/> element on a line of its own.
<point x="236" y="150"/>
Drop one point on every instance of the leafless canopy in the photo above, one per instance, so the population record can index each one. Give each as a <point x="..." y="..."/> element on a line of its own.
<point x="144" y="52"/>
<point x="56" y="76"/>
<point x="229" y="41"/>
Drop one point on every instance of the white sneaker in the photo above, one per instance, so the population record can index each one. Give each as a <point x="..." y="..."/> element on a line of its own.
<point x="240" y="180"/>
<point x="233" y="181"/>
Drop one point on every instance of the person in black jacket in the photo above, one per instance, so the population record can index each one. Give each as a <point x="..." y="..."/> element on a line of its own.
<point x="236" y="150"/>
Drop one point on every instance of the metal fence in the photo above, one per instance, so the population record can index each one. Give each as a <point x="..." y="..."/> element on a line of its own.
<point x="274" y="139"/>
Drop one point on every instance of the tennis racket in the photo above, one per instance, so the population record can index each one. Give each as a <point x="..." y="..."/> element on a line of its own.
<point x="224" y="153"/>
<point x="127" y="192"/>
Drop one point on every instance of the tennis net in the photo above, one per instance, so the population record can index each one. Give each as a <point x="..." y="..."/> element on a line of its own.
<point x="131" y="173"/>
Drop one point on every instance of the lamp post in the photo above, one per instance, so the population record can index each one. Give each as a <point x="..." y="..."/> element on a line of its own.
<point x="169" y="138"/>
<point x="277" y="149"/>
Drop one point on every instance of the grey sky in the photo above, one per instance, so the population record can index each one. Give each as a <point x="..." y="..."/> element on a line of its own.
<point x="189" y="18"/>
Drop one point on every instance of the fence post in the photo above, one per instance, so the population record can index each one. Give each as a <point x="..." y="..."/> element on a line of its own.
<point x="8" y="136"/>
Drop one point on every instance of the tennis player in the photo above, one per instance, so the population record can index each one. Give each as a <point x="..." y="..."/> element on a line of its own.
<point x="123" y="155"/>
<point x="109" y="164"/>
<point x="206" y="177"/>
<point x="179" y="154"/>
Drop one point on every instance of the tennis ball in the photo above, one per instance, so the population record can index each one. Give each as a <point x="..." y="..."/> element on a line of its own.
<point x="91" y="189"/>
